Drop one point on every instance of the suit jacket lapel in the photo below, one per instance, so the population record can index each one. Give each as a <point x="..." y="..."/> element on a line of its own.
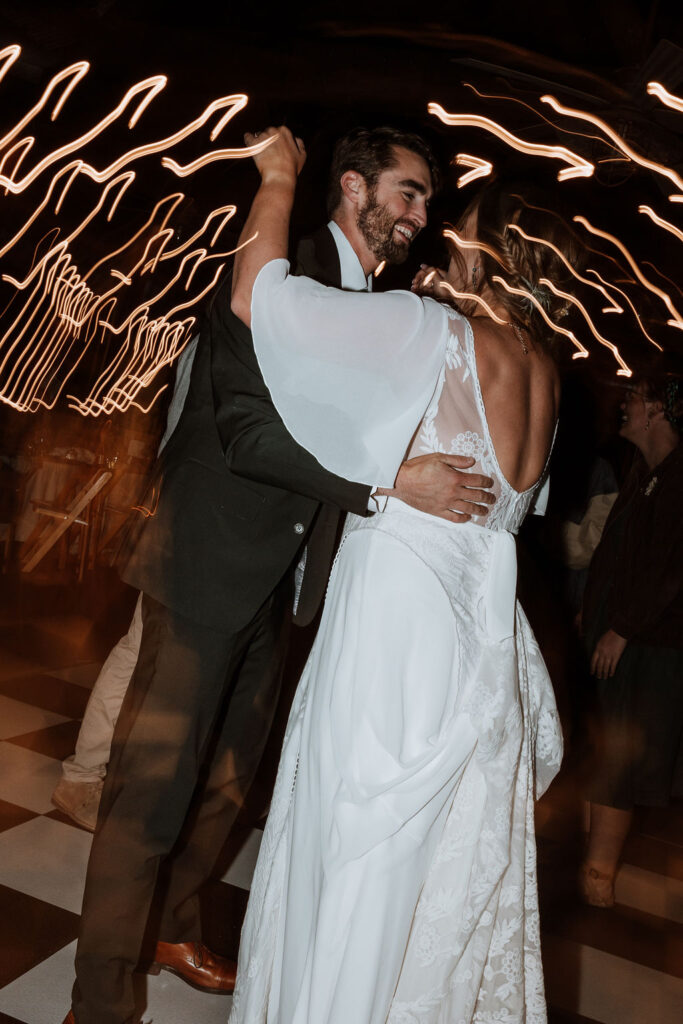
<point x="317" y="257"/>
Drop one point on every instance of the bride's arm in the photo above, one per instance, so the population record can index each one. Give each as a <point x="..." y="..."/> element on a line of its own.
<point x="266" y="231"/>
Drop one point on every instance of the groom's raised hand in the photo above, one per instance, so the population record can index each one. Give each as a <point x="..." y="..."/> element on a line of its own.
<point x="436" y="484"/>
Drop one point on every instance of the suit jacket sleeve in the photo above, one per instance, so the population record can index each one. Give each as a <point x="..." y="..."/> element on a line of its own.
<point x="255" y="441"/>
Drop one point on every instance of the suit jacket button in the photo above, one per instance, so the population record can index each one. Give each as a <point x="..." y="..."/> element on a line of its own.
<point x="298" y="527"/>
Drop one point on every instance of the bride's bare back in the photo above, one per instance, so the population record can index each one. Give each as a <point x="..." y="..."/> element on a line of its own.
<point x="497" y="404"/>
<point x="521" y="394"/>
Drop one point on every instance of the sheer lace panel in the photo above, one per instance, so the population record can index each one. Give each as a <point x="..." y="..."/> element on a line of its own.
<point x="455" y="423"/>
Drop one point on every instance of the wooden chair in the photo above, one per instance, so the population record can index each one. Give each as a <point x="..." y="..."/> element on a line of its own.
<point x="84" y="509"/>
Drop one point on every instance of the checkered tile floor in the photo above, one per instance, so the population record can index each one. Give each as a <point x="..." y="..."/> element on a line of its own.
<point x="43" y="857"/>
<point x="623" y="966"/>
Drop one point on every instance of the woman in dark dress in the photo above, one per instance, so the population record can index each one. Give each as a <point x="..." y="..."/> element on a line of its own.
<point x="633" y="625"/>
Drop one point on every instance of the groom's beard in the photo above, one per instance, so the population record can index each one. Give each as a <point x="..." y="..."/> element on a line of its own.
<point x="376" y="224"/>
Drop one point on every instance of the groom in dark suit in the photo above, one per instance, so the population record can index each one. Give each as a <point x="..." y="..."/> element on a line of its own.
<point x="234" y="507"/>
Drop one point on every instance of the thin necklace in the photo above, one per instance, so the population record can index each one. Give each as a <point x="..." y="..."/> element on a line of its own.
<point x="520" y="339"/>
<point x="520" y="336"/>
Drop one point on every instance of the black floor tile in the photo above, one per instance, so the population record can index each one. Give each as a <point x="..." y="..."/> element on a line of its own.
<point x="11" y="815"/>
<point x="46" y="650"/>
<point x="58" y="815"/>
<point x="57" y="741"/>
<point x="47" y="692"/>
<point x="6" y="1019"/>
<point x="37" y="930"/>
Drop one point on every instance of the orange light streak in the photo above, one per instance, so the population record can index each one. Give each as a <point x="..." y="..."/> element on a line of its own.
<point x="581" y="353"/>
<point x="642" y="161"/>
<point x="480" y="168"/>
<point x="660" y="222"/>
<point x="8" y="56"/>
<point x="149" y="88"/>
<point x="666" y="299"/>
<point x="625" y="371"/>
<point x="539" y="113"/>
<point x="217" y="154"/>
<point x="611" y="284"/>
<point x="577" y="166"/>
<point x="471" y="296"/>
<point x="658" y="90"/>
<point x="647" y="263"/>
<point x="75" y="72"/>
<point x="613" y="307"/>
<point x="466" y="243"/>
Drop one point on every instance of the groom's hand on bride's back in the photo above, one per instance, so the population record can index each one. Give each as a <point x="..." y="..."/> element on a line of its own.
<point x="440" y="485"/>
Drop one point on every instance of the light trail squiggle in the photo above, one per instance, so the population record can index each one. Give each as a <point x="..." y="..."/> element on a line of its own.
<point x="61" y="315"/>
<point x="480" y="168"/>
<point x="547" y="283"/>
<point x="676" y="320"/>
<point x="611" y="284"/>
<point x="660" y="222"/>
<point x="582" y="351"/>
<point x="642" y="161"/>
<point x="577" y="167"/>
<point x="613" y="307"/>
<point x="668" y="98"/>
<point x="469" y="243"/>
<point x="538" y="113"/>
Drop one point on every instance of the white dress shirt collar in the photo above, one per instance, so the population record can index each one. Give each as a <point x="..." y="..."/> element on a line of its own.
<point x="353" y="278"/>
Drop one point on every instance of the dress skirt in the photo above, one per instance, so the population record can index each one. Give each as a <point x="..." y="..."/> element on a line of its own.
<point x="396" y="880"/>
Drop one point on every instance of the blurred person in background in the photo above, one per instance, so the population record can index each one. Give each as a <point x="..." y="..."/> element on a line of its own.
<point x="632" y="622"/>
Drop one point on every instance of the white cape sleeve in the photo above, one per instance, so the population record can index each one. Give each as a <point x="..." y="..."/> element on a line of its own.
<point x="350" y="373"/>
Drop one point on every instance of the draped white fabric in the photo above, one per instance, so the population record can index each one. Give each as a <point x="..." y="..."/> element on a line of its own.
<point x="396" y="881"/>
<point x="351" y="374"/>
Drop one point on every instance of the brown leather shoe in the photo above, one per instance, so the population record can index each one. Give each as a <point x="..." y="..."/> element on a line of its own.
<point x="196" y="965"/>
<point x="69" y="1019"/>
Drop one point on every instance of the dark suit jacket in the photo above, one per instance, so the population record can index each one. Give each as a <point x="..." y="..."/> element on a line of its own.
<point x="234" y="497"/>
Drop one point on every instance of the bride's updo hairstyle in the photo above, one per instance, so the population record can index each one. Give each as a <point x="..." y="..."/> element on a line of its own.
<point x="523" y="242"/>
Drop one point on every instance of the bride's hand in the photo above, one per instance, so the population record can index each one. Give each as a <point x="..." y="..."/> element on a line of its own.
<point x="428" y="281"/>
<point x="282" y="159"/>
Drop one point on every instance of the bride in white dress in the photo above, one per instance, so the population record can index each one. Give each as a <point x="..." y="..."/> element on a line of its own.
<point x="396" y="880"/>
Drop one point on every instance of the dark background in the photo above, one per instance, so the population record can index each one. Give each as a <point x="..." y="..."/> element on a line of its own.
<point x="322" y="68"/>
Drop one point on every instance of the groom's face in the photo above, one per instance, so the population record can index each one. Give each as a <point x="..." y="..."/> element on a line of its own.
<point x="395" y="209"/>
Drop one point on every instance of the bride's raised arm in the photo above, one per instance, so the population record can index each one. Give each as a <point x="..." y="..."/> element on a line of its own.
<point x="266" y="232"/>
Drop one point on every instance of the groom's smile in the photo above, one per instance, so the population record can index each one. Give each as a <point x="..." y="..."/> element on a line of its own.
<point x="395" y="210"/>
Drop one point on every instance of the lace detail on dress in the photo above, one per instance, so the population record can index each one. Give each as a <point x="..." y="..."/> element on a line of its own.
<point x="455" y="424"/>
<point x="423" y="729"/>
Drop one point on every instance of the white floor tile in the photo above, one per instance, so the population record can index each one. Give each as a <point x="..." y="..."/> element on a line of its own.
<point x="241" y="870"/>
<point x="46" y="859"/>
<point x="608" y="988"/>
<point x="43" y="996"/>
<point x="27" y="778"/>
<point x="17" y="718"/>
<point x="171" y="1001"/>
<point x="653" y="893"/>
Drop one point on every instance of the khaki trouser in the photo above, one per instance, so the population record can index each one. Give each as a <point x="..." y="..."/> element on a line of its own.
<point x="91" y="757"/>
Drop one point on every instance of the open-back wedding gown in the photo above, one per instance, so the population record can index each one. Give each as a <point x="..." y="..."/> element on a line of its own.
<point x="396" y="880"/>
